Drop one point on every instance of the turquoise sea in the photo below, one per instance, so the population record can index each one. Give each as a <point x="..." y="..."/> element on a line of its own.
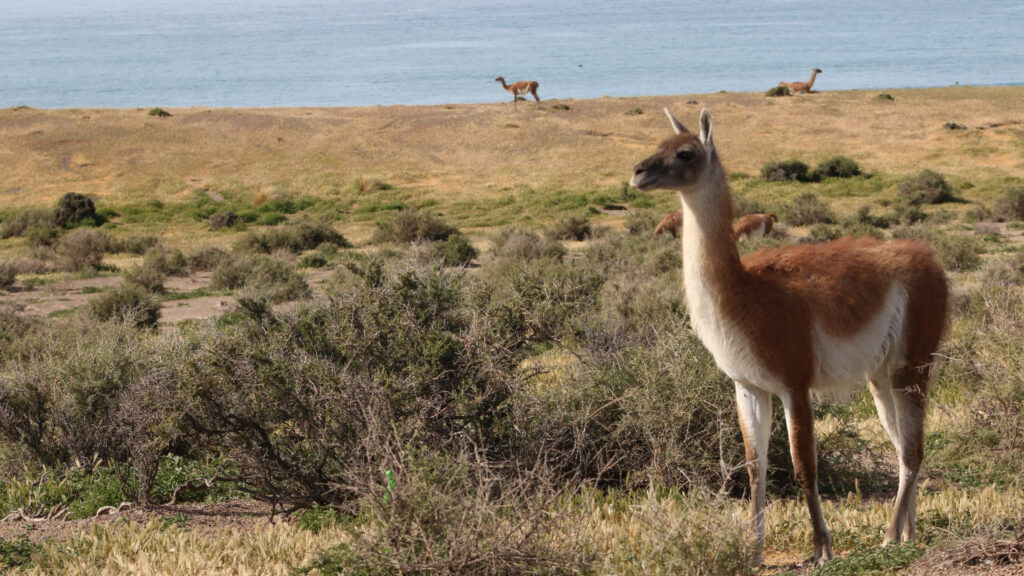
<point x="134" y="53"/>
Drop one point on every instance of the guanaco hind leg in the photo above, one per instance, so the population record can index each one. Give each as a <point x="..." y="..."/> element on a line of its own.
<point x="800" y="424"/>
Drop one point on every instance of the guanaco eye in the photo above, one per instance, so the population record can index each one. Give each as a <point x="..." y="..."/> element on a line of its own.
<point x="686" y="155"/>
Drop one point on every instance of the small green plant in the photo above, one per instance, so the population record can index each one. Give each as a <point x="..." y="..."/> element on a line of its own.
<point x="953" y="126"/>
<point x="159" y="112"/>
<point x="634" y="111"/>
<point x="873" y="561"/>
<point x="777" y="91"/>
<point x="271" y="219"/>
<point x="317" y="518"/>
<point x="563" y="107"/>
<point x="179" y="519"/>
<point x="885" y="97"/>
<point x="17" y="552"/>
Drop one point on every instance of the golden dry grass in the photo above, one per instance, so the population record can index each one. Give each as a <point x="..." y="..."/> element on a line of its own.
<point x="458" y="152"/>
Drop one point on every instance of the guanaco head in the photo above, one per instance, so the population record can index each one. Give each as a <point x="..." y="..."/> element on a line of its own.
<point x="680" y="161"/>
<point x="817" y="70"/>
<point x="499" y="79"/>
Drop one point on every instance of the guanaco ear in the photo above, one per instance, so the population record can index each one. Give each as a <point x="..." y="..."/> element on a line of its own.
<point x="705" y="131"/>
<point x="677" y="126"/>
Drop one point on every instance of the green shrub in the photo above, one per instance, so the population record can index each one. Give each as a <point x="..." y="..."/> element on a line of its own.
<point x="271" y="219"/>
<point x="130" y="303"/>
<point x="42" y="234"/>
<point x="928" y="186"/>
<point x="824" y="232"/>
<point x="954" y="251"/>
<point x="523" y="245"/>
<point x="157" y="264"/>
<point x="159" y="112"/>
<point x="17" y="552"/>
<point x="223" y="220"/>
<point x="7" y="275"/>
<point x="782" y="171"/>
<point x="308" y="401"/>
<point x="262" y="275"/>
<point x="75" y="209"/>
<point x="205" y="259"/>
<point x="456" y="251"/>
<point x="82" y="249"/>
<point x="450" y="515"/>
<point x="865" y="217"/>
<point x="135" y="244"/>
<point x="776" y="91"/>
<point x="413" y="226"/>
<point x="884" y="97"/>
<point x="295" y="238"/>
<point x="85" y="391"/>
<point x="313" y="260"/>
<point x="837" y="167"/>
<point x="1011" y="205"/>
<point x="807" y="209"/>
<point x="571" y="228"/>
<point x="148" y="277"/>
<point x="18" y="223"/>
<point x="743" y="205"/>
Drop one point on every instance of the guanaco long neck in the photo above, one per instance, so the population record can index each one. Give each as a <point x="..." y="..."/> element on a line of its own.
<point x="810" y="83"/>
<point x="711" y="261"/>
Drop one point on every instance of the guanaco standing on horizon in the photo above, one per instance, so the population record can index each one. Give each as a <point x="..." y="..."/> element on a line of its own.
<point x="518" y="89"/>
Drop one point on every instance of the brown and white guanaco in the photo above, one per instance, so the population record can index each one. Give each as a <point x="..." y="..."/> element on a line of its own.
<point x="754" y="226"/>
<point x="801" y="87"/>
<point x="800" y="320"/>
<point x="520" y="89"/>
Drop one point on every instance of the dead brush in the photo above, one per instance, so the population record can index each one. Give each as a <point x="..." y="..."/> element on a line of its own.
<point x="989" y="551"/>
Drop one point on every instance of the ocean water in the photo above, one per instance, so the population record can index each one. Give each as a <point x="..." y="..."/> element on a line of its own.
<point x="135" y="53"/>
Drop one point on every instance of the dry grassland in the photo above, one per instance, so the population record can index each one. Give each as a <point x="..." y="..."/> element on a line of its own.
<point x="460" y="152"/>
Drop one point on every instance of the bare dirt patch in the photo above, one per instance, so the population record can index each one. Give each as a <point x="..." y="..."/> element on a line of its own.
<point x="207" y="518"/>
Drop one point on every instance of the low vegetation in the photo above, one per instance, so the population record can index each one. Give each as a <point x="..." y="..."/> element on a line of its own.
<point x="503" y="384"/>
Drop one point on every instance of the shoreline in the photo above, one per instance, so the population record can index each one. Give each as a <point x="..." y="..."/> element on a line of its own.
<point x="498" y="100"/>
